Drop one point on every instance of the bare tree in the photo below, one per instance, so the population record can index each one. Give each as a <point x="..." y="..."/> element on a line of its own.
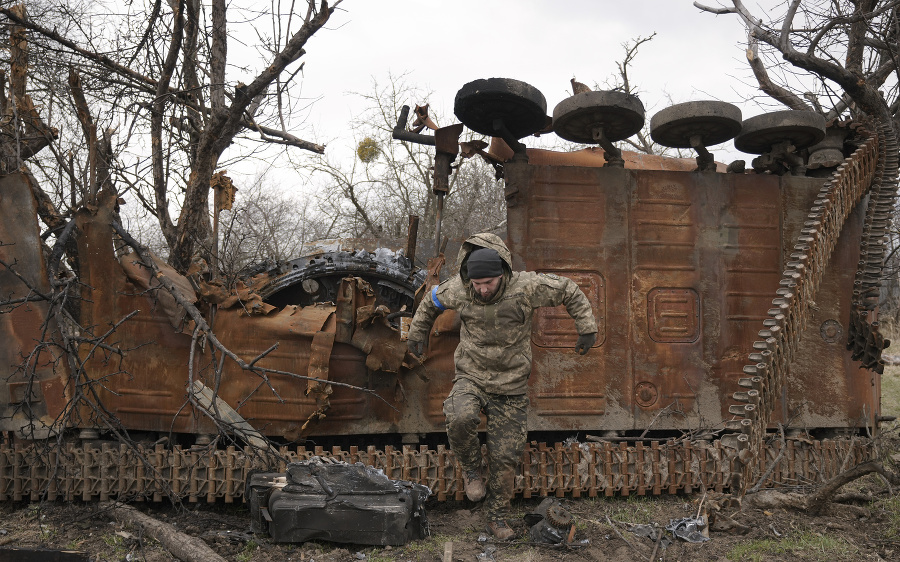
<point x="840" y="59"/>
<point x="388" y="180"/>
<point x="845" y="51"/>
<point x="622" y="81"/>
<point x="265" y="224"/>
<point x="157" y="77"/>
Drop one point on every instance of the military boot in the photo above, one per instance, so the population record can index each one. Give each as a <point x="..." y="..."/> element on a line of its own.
<point x="474" y="485"/>
<point x="500" y="529"/>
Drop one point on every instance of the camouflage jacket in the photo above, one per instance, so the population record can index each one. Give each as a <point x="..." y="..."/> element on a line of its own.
<point x="494" y="350"/>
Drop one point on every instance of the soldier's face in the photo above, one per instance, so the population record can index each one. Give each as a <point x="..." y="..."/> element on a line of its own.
<point x="486" y="287"/>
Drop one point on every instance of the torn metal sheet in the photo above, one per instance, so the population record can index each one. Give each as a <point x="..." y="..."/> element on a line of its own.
<point x="142" y="276"/>
<point x="690" y="529"/>
<point x="653" y="532"/>
<point x="337" y="502"/>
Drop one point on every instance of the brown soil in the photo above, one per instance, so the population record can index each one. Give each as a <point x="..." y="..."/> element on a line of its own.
<point x="84" y="527"/>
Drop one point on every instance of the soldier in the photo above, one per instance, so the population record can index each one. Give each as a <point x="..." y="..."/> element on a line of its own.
<point x="493" y="361"/>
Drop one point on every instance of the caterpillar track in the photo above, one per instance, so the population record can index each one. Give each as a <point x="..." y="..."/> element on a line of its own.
<point x="108" y="471"/>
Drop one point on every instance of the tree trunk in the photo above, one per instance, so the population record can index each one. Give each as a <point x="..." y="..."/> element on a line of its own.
<point x="182" y="546"/>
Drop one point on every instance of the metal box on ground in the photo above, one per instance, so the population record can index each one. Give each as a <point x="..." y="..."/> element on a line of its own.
<point x="337" y="502"/>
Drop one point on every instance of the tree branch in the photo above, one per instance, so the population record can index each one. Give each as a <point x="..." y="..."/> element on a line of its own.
<point x="775" y="91"/>
<point x="157" y="110"/>
<point x="146" y="83"/>
<point x="283" y="137"/>
<point x="217" y="57"/>
<point x="717" y="11"/>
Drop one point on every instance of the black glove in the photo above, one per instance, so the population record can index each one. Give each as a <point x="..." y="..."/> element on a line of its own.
<point x="585" y="342"/>
<point x="416" y="347"/>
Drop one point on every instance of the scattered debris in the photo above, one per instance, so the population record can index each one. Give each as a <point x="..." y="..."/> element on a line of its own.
<point x="230" y="536"/>
<point x="653" y="532"/>
<point x="551" y="523"/>
<point x="725" y="524"/>
<point x="690" y="529"/>
<point x="488" y="553"/>
<point x="338" y="502"/>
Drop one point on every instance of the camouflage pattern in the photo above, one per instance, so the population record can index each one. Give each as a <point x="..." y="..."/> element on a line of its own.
<point x="495" y="337"/>
<point x="506" y="438"/>
<point x="493" y="361"/>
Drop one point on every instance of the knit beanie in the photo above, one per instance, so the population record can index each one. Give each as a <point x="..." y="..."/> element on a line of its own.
<point x="484" y="262"/>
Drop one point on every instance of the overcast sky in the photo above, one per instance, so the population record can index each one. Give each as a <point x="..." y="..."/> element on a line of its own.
<point x="443" y="45"/>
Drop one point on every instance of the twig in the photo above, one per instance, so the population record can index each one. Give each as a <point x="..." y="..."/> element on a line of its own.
<point x="608" y="520"/>
<point x="656" y="417"/>
<point x="101" y="345"/>
<point x="263" y="354"/>
<point x="659" y="539"/>
<point x="97" y="341"/>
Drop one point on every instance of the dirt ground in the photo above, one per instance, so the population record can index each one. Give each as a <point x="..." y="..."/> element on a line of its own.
<point x="772" y="535"/>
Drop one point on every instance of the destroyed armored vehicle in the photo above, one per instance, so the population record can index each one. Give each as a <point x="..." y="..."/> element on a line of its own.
<point x="728" y="303"/>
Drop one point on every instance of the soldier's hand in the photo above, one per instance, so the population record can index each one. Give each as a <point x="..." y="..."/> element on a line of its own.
<point x="585" y="343"/>
<point x="416" y="347"/>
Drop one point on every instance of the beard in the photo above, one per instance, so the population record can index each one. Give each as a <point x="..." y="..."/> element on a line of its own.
<point x="486" y="299"/>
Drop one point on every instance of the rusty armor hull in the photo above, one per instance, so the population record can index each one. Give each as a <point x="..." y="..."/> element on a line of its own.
<point x="680" y="268"/>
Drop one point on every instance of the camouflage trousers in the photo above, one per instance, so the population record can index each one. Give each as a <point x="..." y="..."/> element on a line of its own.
<point x="506" y="437"/>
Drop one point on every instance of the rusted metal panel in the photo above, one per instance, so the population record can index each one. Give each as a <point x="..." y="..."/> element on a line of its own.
<point x="673" y="315"/>
<point x="689" y="263"/>
<point x="146" y="389"/>
<point x="553" y="327"/>
<point x="25" y="365"/>
<point x="826" y="388"/>
<point x="668" y="217"/>
<point x="563" y="221"/>
<point x="439" y="370"/>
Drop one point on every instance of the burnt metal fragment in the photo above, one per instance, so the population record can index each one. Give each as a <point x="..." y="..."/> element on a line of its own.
<point x="337" y="502"/>
<point x="550" y="523"/>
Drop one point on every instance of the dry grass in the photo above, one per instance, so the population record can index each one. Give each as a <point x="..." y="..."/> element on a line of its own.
<point x="890" y="391"/>
<point x="890" y="380"/>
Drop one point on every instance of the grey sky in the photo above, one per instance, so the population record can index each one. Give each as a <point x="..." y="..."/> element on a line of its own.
<point x="443" y="45"/>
